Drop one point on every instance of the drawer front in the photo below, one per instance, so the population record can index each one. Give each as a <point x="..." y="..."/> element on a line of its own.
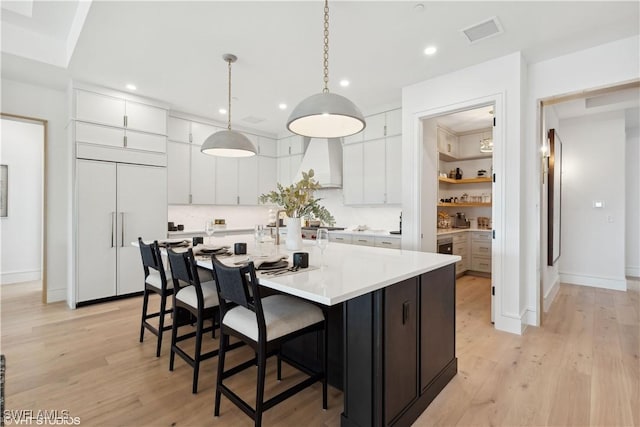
<point x="96" y="134"/>
<point x="363" y="240"/>
<point x="462" y="266"/>
<point x="460" y="238"/>
<point x="481" y="248"/>
<point x="460" y="249"/>
<point x="481" y="264"/>
<point x="146" y="141"/>
<point x="340" y="238"/>
<point x="385" y="242"/>
<point x="481" y="236"/>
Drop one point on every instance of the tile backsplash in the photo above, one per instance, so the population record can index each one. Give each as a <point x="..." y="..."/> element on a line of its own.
<point x="193" y="217"/>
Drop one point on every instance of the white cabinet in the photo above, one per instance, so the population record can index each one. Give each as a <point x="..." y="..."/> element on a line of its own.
<point x="267" y="146"/>
<point x="179" y="130"/>
<point x="393" y="150"/>
<point x="267" y="174"/>
<point x="287" y="168"/>
<point x="372" y="168"/>
<point x="203" y="177"/>
<point x="111" y="213"/>
<point x="178" y="173"/>
<point x="226" y="179"/>
<point x="201" y="131"/>
<point x="290" y="145"/>
<point x="481" y="251"/>
<point x="461" y="248"/>
<point x="352" y="174"/>
<point x="340" y="238"/>
<point x="387" y="242"/>
<point x="119" y="138"/>
<point x="447" y="144"/>
<point x="363" y="240"/>
<point x="118" y="112"/>
<point x="469" y="145"/>
<point x="374" y="175"/>
<point x="145" y="141"/>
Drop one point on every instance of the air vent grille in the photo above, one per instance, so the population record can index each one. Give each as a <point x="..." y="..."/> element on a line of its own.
<point x="253" y="120"/>
<point x="483" y="30"/>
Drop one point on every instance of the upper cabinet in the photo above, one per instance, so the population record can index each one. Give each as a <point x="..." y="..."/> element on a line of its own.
<point x="464" y="146"/>
<point x="372" y="165"/>
<point x="112" y="111"/>
<point x="447" y="144"/>
<point x="198" y="178"/>
<point x="290" y="145"/>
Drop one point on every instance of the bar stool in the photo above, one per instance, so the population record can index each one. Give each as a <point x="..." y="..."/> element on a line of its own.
<point x="155" y="280"/>
<point x="200" y="300"/>
<point x="264" y="324"/>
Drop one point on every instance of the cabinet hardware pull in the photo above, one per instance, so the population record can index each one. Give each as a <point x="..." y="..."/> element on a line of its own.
<point x="190" y="198"/>
<point x="386" y="243"/>
<point x="190" y="137"/>
<point x="122" y="230"/>
<point x="405" y="311"/>
<point x="113" y="215"/>
<point x="126" y="121"/>
<point x="125" y="141"/>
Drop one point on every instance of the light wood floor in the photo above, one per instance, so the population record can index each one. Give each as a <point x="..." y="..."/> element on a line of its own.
<point x="582" y="368"/>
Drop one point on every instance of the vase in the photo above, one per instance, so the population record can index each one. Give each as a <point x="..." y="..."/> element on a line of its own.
<point x="294" y="234"/>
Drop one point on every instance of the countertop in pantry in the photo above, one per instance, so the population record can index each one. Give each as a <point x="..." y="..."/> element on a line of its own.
<point x="444" y="231"/>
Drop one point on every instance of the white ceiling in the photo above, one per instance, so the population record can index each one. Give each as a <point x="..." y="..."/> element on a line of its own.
<point x="627" y="100"/>
<point x="172" y="50"/>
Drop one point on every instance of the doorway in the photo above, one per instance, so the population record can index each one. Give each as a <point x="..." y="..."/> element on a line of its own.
<point x="458" y="156"/>
<point x="23" y="159"/>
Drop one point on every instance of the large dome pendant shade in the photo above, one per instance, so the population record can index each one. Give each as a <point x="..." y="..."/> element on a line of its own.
<point x="326" y="115"/>
<point x="228" y="143"/>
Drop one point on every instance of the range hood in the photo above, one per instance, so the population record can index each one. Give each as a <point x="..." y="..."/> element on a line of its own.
<point x="324" y="156"/>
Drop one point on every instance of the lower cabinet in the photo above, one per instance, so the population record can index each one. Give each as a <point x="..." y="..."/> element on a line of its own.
<point x="113" y="208"/>
<point x="399" y="349"/>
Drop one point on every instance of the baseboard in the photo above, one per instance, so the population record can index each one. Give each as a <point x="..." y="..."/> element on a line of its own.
<point x="632" y="271"/>
<point x="20" y="276"/>
<point x="614" y="283"/>
<point x="551" y="295"/>
<point x="511" y="323"/>
<point x="55" y="295"/>
<point x="528" y="317"/>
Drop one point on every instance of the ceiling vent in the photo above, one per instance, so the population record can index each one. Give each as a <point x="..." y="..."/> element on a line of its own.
<point x="483" y="30"/>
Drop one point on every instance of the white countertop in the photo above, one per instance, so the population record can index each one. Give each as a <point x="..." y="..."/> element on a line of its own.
<point x="218" y="231"/>
<point x="350" y="270"/>
<point x="371" y="233"/>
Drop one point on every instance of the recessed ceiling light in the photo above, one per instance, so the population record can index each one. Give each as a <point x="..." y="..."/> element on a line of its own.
<point x="344" y="82"/>
<point x="131" y="87"/>
<point x="282" y="106"/>
<point x="419" y="7"/>
<point x="222" y="111"/>
<point x="430" y="50"/>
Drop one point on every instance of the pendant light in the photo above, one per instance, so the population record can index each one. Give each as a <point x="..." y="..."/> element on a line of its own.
<point x="228" y="143"/>
<point x="326" y="115"/>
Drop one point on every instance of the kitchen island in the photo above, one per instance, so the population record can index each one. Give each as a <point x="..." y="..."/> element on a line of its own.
<point x="391" y="325"/>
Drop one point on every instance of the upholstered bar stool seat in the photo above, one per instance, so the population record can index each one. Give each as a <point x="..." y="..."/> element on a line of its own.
<point x="154" y="279"/>
<point x="188" y="295"/>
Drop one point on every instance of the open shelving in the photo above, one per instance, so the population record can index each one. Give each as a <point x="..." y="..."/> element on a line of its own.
<point x="464" y="180"/>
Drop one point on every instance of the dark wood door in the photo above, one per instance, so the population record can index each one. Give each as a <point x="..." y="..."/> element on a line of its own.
<point x="437" y="322"/>
<point x="401" y="347"/>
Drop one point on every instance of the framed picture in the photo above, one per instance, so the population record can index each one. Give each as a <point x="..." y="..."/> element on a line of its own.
<point x="4" y="184"/>
<point x="554" y="197"/>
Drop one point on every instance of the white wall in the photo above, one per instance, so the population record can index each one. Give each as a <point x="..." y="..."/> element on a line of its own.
<point x="51" y="105"/>
<point x="498" y="81"/>
<point x="632" y="171"/>
<point x="592" y="169"/>
<point x="21" y="149"/>
<point x="599" y="66"/>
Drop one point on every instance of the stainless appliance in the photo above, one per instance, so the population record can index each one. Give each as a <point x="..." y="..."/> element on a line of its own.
<point x="310" y="233"/>
<point x="445" y="245"/>
<point x="460" y="221"/>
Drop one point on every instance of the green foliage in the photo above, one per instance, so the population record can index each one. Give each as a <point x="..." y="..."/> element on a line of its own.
<point x="298" y="201"/>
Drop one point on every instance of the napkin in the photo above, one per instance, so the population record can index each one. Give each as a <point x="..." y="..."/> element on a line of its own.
<point x="268" y="260"/>
<point x="173" y="243"/>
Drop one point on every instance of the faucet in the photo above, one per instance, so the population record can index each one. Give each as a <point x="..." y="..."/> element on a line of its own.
<point x="278" y="225"/>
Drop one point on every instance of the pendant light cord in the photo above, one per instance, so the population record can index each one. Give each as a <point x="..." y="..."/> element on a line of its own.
<point x="229" y="98"/>
<point x="326" y="47"/>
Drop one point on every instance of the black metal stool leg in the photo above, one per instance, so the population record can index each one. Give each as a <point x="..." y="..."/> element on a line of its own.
<point x="145" y="304"/>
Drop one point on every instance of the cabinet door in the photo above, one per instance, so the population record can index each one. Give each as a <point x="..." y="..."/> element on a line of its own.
<point x="294" y="166"/>
<point x="284" y="146"/>
<point x="394" y="169"/>
<point x="375" y="127"/>
<point x="146" y="141"/>
<point x="374" y="171"/>
<point x="267" y="174"/>
<point x="267" y="146"/>
<point x="201" y="131"/>
<point x="96" y="134"/>
<point x="142" y="212"/>
<point x="394" y="122"/>
<point x="146" y="118"/>
<point x="203" y="176"/>
<point x="401" y="347"/>
<point x="178" y="130"/>
<point x="438" y="335"/>
<point x="226" y="181"/>
<point x="98" y="108"/>
<point x="296" y="143"/>
<point x="352" y="170"/>
<point x="96" y="232"/>
<point x="178" y="173"/>
<point x="283" y="171"/>
<point x="248" y="181"/>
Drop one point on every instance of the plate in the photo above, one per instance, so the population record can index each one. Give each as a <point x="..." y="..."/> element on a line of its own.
<point x="274" y="266"/>
<point x="171" y="243"/>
